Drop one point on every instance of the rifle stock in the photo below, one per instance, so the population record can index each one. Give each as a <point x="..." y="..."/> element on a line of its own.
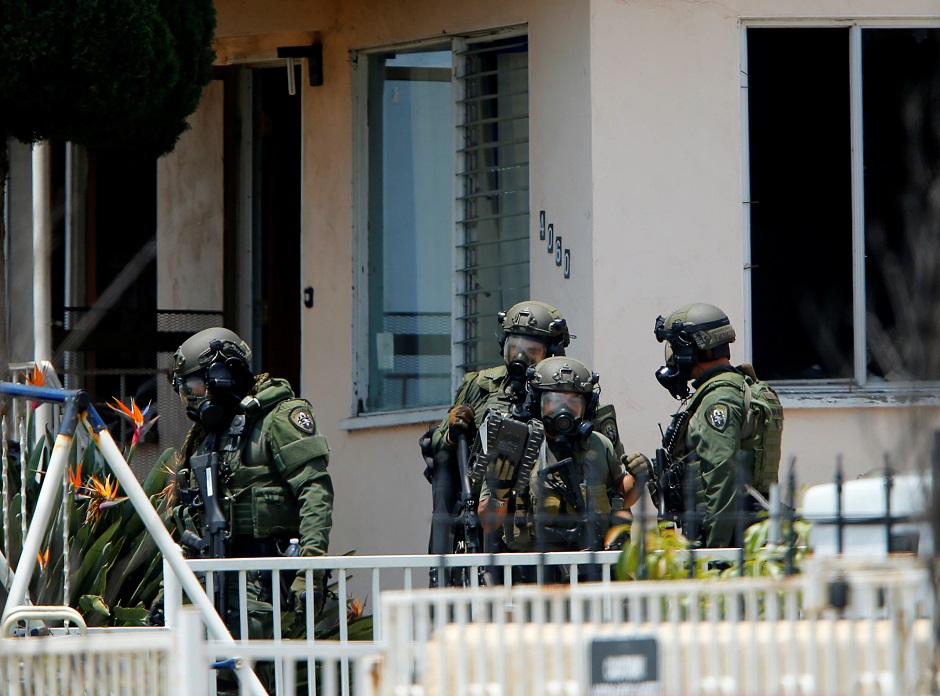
<point x="468" y="511"/>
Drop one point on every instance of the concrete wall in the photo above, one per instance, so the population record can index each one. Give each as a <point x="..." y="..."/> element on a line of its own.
<point x="189" y="236"/>
<point x="668" y="219"/>
<point x="636" y="159"/>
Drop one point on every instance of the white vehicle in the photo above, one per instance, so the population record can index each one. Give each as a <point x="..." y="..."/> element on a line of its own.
<point x="870" y="521"/>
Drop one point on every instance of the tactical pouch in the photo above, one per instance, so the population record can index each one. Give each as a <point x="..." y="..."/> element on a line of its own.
<point x="605" y="423"/>
<point x="763" y="432"/>
<point x="295" y="454"/>
<point x="273" y="512"/>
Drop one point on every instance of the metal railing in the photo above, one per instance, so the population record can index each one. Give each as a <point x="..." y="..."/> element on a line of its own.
<point x="182" y="662"/>
<point x="744" y="636"/>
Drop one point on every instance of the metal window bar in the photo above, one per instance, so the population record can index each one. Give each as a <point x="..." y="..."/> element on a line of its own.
<point x="492" y="120"/>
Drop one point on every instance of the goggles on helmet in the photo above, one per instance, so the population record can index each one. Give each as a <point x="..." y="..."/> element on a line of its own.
<point x="524" y="349"/>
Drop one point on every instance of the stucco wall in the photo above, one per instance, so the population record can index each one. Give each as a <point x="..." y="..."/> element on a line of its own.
<point x="189" y="234"/>
<point x="668" y="219"/>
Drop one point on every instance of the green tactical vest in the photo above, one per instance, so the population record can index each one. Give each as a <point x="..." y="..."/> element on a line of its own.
<point x="762" y="430"/>
<point x="264" y="506"/>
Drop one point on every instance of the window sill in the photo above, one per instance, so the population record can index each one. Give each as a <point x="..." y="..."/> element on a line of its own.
<point x="846" y="395"/>
<point x="390" y="419"/>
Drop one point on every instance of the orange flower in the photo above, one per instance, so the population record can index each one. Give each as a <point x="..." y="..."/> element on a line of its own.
<point x="135" y="416"/>
<point x="43" y="558"/>
<point x="101" y="496"/>
<point x="75" y="478"/>
<point x="36" y="379"/>
<point x="354" y="608"/>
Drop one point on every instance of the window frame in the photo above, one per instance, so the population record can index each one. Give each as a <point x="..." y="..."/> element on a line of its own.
<point x="362" y="419"/>
<point x="832" y="393"/>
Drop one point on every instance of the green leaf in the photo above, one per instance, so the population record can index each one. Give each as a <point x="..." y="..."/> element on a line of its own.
<point x="93" y="557"/>
<point x="130" y="616"/>
<point x="93" y="609"/>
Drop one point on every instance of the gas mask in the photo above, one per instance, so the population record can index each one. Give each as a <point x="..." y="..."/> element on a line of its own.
<point x="563" y="416"/>
<point x="520" y="353"/>
<point x="674" y="376"/>
<point x="211" y="396"/>
<point x="524" y="351"/>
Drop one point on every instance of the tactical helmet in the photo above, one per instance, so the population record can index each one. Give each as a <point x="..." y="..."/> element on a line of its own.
<point x="689" y="332"/>
<point x="549" y="381"/>
<point x="206" y="347"/>
<point x="699" y="324"/>
<point x="211" y="375"/>
<point x="537" y="320"/>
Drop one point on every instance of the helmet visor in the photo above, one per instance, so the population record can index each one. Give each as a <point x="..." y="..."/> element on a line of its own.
<point x="524" y="349"/>
<point x="670" y="356"/>
<point x="193" y="386"/>
<point x="554" y="402"/>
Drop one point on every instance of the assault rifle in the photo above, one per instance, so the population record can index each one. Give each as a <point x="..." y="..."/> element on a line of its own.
<point x="586" y="533"/>
<point x="206" y="469"/>
<point x="668" y="477"/>
<point x="515" y="437"/>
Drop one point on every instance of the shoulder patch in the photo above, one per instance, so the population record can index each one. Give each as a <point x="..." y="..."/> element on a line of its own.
<point x="717" y="416"/>
<point x="610" y="430"/>
<point x="301" y="418"/>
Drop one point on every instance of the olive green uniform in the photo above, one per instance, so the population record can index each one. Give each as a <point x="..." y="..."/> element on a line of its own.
<point x="480" y="391"/>
<point x="277" y="485"/>
<point x="598" y="471"/>
<point x="710" y="446"/>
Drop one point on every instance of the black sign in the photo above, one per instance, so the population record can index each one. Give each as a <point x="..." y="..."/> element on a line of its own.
<point x="541" y="224"/>
<point x="551" y="237"/>
<point x="624" y="666"/>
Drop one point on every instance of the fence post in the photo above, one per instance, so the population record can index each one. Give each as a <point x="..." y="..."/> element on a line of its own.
<point x="840" y="522"/>
<point x="189" y="666"/>
<point x="172" y="596"/>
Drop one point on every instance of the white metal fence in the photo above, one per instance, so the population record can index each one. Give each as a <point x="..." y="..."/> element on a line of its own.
<point x="157" y="662"/>
<point x="834" y="630"/>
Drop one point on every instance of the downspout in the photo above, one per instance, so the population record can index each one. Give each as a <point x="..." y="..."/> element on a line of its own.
<point x="42" y="243"/>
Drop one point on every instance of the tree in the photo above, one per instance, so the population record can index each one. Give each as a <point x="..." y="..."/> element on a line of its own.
<point x="105" y="74"/>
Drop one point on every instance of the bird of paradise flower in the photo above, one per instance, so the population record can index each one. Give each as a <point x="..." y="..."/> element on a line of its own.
<point x="354" y="608"/>
<point x="75" y="479"/>
<point x="137" y="418"/>
<point x="101" y="495"/>
<point x="35" y="378"/>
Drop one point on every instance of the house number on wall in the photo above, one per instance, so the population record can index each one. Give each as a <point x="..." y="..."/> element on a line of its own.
<point x="553" y="245"/>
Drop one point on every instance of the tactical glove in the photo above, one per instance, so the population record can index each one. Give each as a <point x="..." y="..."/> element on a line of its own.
<point x="501" y="473"/>
<point x="637" y="465"/>
<point x="460" y="422"/>
<point x="296" y="599"/>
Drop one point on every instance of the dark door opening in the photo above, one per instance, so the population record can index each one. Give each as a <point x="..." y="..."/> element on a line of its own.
<point x="276" y="225"/>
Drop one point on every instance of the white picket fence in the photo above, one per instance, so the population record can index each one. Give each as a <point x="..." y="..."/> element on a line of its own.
<point x="751" y="636"/>
<point x="842" y="627"/>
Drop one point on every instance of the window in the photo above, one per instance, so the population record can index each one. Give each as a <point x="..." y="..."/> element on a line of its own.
<point x="844" y="201"/>
<point x="443" y="222"/>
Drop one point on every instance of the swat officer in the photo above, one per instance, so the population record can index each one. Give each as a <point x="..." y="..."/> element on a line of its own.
<point x="726" y="439"/>
<point x="580" y="479"/>
<point x="528" y="332"/>
<point x="271" y="463"/>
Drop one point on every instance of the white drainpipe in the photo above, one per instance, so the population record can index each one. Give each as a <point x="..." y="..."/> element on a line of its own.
<point x="42" y="243"/>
